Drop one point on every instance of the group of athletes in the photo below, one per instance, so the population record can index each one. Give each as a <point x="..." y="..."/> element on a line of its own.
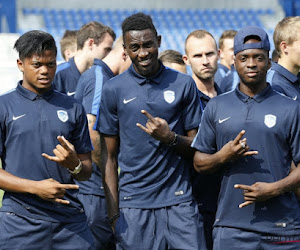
<point x="118" y="149"/>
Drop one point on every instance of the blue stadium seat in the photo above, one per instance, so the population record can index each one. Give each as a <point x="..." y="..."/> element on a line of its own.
<point x="173" y="24"/>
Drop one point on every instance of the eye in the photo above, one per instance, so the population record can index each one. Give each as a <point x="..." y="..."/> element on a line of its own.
<point x="148" y="45"/>
<point x="243" y="58"/>
<point x="36" y="64"/>
<point x="51" y="64"/>
<point x="107" y="50"/>
<point x="134" y="48"/>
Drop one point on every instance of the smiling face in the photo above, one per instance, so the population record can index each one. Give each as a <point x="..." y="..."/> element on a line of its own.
<point x="142" y="48"/>
<point x="38" y="71"/>
<point x="252" y="66"/>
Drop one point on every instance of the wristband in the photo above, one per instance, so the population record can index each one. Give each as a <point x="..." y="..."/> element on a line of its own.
<point x="76" y="170"/>
<point x="174" y="142"/>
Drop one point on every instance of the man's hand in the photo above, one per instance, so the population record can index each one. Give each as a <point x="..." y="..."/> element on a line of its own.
<point x="237" y="148"/>
<point x="65" y="154"/>
<point x="259" y="191"/>
<point x="51" y="190"/>
<point x="158" y="128"/>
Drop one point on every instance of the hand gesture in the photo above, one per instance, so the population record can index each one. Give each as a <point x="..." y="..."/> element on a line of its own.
<point x="259" y="191"/>
<point x="51" y="190"/>
<point x="65" y="154"/>
<point x="157" y="127"/>
<point x="236" y="148"/>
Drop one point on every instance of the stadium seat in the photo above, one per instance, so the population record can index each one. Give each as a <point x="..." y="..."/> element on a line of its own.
<point x="173" y="24"/>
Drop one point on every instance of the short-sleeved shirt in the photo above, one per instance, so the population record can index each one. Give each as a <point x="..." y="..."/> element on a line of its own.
<point x="30" y="124"/>
<point x="284" y="81"/>
<point x="220" y="74"/>
<point x="230" y="81"/>
<point x="152" y="175"/>
<point x="88" y="92"/>
<point x="66" y="78"/>
<point x="89" y="86"/>
<point x="271" y="122"/>
<point x="206" y="187"/>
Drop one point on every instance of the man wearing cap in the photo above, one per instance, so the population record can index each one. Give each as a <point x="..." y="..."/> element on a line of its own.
<point x="256" y="209"/>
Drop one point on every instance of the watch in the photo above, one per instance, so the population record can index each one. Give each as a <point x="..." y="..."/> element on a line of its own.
<point x="76" y="170"/>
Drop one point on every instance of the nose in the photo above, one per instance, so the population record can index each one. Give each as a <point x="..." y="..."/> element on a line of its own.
<point x="44" y="69"/>
<point x="251" y="62"/>
<point x="205" y="60"/>
<point x="143" y="52"/>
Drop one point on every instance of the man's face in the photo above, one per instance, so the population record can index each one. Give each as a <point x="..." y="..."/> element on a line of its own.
<point x="252" y="66"/>
<point x="203" y="56"/>
<point x="142" y="48"/>
<point x="227" y="53"/>
<point x="38" y="71"/>
<point x="102" y="49"/>
<point x="294" y="53"/>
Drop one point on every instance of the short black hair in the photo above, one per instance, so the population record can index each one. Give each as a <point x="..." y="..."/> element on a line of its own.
<point x="34" y="42"/>
<point x="138" y="21"/>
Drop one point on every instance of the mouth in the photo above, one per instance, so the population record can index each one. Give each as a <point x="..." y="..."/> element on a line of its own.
<point x="207" y="69"/>
<point x="44" y="81"/>
<point x="251" y="74"/>
<point x="145" y="63"/>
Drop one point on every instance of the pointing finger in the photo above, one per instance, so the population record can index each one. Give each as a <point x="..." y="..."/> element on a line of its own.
<point x="61" y="201"/>
<point x="244" y="187"/>
<point x="150" y="117"/>
<point x="64" y="142"/>
<point x="246" y="203"/>
<point x="251" y="153"/>
<point x="143" y="128"/>
<point x="51" y="158"/>
<point x="239" y="137"/>
<point x="69" y="186"/>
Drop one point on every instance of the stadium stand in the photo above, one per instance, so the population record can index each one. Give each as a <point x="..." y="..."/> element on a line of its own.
<point x="172" y="24"/>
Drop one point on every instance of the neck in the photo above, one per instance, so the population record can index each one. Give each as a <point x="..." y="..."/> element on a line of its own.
<point x="206" y="86"/>
<point x="252" y="90"/>
<point x="82" y="62"/>
<point x="284" y="62"/>
<point x="111" y="61"/>
<point x="225" y="64"/>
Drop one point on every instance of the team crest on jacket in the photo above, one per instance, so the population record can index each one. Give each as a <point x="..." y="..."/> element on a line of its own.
<point x="62" y="115"/>
<point x="270" y="120"/>
<point x="169" y="96"/>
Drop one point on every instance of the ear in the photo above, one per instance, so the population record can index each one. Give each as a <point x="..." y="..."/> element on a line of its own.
<point x="67" y="53"/>
<point x="234" y="57"/>
<point x="186" y="59"/>
<point x="159" y="40"/>
<point x="284" y="47"/>
<point x="20" y="65"/>
<point x="220" y="53"/>
<point x="124" y="56"/>
<point x="90" y="43"/>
